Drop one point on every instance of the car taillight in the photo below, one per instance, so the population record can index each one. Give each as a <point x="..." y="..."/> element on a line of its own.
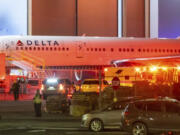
<point x="126" y="113"/>
<point x="69" y="95"/>
<point x="42" y="87"/>
<point x="61" y="87"/>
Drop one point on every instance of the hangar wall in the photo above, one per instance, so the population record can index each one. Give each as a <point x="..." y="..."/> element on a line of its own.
<point x="93" y="18"/>
<point x="134" y="18"/>
<point x="98" y="17"/>
<point x="53" y="17"/>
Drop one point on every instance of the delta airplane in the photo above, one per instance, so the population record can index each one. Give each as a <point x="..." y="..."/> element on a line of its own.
<point x="73" y="51"/>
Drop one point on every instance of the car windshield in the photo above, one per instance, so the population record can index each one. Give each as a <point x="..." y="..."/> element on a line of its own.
<point x="91" y="82"/>
<point x="65" y="81"/>
<point x="116" y="106"/>
<point x="33" y="82"/>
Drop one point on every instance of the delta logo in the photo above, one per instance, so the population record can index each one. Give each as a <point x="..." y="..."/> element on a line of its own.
<point x="19" y="43"/>
<point x="38" y="43"/>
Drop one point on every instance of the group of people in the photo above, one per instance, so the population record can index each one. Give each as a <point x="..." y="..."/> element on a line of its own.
<point x="37" y="100"/>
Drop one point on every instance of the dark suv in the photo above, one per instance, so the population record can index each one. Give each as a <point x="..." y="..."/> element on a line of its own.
<point x="152" y="115"/>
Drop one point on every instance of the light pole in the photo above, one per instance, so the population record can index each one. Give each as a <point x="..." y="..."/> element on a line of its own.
<point x="100" y="84"/>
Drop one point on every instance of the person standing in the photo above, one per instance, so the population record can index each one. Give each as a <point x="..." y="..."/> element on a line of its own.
<point x="15" y="89"/>
<point x="37" y="103"/>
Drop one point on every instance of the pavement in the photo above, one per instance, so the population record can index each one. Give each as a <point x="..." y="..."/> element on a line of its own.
<point x="20" y="115"/>
<point x="24" y="110"/>
<point x="45" y="116"/>
<point x="18" y="118"/>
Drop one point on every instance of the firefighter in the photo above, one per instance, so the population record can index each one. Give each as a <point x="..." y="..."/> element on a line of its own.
<point x="37" y="103"/>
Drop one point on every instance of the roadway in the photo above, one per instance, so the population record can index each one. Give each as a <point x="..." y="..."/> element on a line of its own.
<point x="17" y="118"/>
<point x="57" y="132"/>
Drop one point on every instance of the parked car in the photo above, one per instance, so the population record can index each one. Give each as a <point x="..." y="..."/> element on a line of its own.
<point x="152" y="115"/>
<point x="92" y="85"/>
<point x="108" y="117"/>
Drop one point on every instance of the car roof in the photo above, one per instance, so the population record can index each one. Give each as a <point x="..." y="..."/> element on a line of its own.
<point x="33" y="79"/>
<point x="92" y="80"/>
<point x="157" y="99"/>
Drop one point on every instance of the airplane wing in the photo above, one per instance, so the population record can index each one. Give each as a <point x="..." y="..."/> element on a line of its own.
<point x="165" y="61"/>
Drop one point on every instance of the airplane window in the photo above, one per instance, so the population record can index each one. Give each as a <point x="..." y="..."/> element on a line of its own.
<point x="175" y="51"/>
<point x="34" y="48"/>
<point x="147" y="50"/>
<point x="159" y="50"/>
<point x="99" y="49"/>
<point x="38" y="48"/>
<point x="30" y="48"/>
<point x="155" y="50"/>
<point x="26" y="48"/>
<point x="167" y="50"/>
<point x="95" y="49"/>
<point x="132" y="50"/>
<point x="144" y="50"/>
<point x="104" y="49"/>
<point x="63" y="48"/>
<point x="139" y="50"/>
<point x="163" y="50"/>
<point x="127" y="49"/>
<point x="171" y="50"/>
<point x="46" y="48"/>
<point x="42" y="48"/>
<point x="17" y="48"/>
<point x="179" y="50"/>
<point x="91" y="49"/>
<point x="54" y="48"/>
<point x="67" y="49"/>
<point x="124" y="49"/>
<point x="51" y="48"/>
<point x="59" y="49"/>
<point x="21" y="48"/>
<point x="119" y="49"/>
<point x="112" y="49"/>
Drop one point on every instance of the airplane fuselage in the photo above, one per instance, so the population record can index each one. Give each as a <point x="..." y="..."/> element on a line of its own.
<point x="70" y="51"/>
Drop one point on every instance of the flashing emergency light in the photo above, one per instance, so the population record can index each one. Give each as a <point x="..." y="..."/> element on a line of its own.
<point x="178" y="68"/>
<point x="164" y="68"/>
<point x="42" y="87"/>
<point x="52" y="80"/>
<point x="137" y="69"/>
<point x="153" y="69"/>
<point x="61" y="87"/>
<point x="144" y="69"/>
<point x="105" y="69"/>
